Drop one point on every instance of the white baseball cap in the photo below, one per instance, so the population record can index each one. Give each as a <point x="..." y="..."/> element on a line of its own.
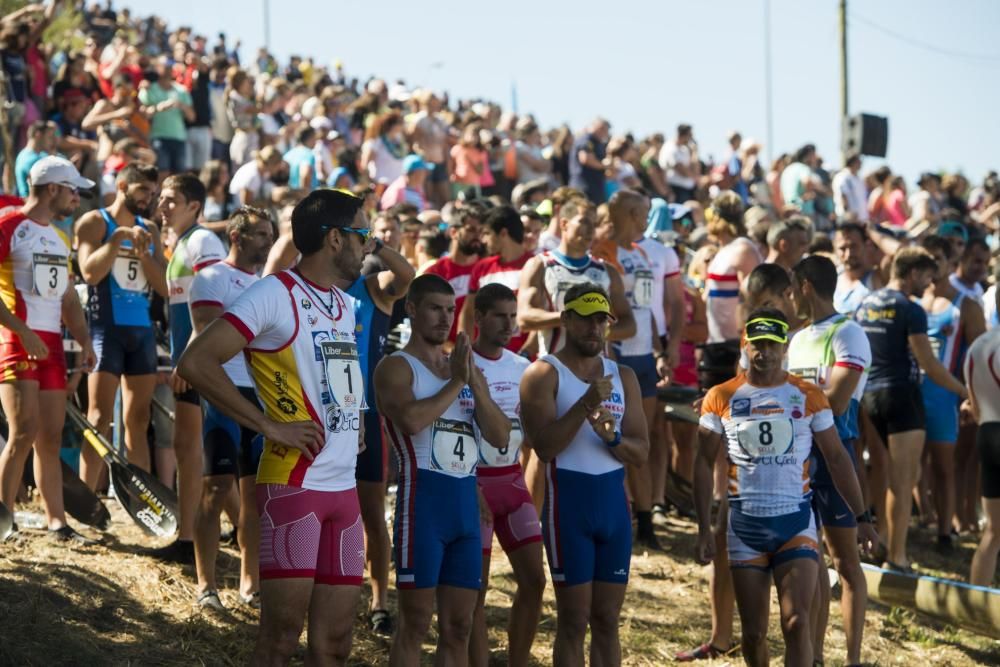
<point x="58" y="170"/>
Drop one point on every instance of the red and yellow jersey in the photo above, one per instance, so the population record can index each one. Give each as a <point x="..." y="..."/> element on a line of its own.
<point x="303" y="359"/>
<point x="34" y="272"/>
<point x="769" y="436"/>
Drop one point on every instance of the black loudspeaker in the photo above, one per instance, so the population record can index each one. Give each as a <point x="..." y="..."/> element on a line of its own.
<point x="865" y="134"/>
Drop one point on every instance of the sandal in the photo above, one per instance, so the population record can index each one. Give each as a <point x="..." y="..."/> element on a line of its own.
<point x="703" y="652"/>
<point x="210" y="599"/>
<point x="381" y="622"/>
<point x="252" y="600"/>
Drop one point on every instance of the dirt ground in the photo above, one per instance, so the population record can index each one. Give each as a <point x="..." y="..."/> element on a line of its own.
<point x="111" y="605"/>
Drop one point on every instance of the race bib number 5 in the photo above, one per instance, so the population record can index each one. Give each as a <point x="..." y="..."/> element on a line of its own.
<point x="453" y="447"/>
<point x="502" y="457"/>
<point x="343" y="374"/>
<point x="766" y="437"/>
<point x="128" y="273"/>
<point x="51" y="276"/>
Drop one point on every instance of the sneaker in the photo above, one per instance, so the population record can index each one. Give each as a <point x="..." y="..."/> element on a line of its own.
<point x="178" y="551"/>
<point x="252" y="600"/>
<point x="649" y="541"/>
<point x="381" y="622"/>
<point x="67" y="534"/>
<point x="210" y="600"/>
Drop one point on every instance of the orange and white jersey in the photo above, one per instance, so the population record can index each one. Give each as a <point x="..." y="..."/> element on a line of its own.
<point x="34" y="271"/>
<point x="769" y="435"/>
<point x="303" y="358"/>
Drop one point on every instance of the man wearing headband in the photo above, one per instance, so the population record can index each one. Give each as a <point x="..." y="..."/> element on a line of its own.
<point x="768" y="421"/>
<point x="583" y="414"/>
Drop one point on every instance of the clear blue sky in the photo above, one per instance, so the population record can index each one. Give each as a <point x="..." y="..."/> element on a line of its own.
<point x="647" y="65"/>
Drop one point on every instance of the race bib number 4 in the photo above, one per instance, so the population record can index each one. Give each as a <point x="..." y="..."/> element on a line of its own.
<point x="51" y="275"/>
<point x="128" y="273"/>
<point x="453" y="447"/>
<point x="766" y="437"/>
<point x="502" y="457"/>
<point x="343" y="374"/>
<point x="642" y="290"/>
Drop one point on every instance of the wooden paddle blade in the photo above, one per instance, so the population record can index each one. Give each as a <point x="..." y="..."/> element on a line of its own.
<point x="82" y="503"/>
<point x="6" y="522"/>
<point x="150" y="504"/>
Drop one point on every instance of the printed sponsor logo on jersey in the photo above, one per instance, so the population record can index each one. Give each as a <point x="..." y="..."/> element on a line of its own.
<point x="306" y="303"/>
<point x="740" y="407"/>
<point x="312" y="319"/>
<point x="287" y="405"/>
<point x="318" y="338"/>
<point x="281" y="382"/>
<point x="768" y="409"/>
<point x="338" y="421"/>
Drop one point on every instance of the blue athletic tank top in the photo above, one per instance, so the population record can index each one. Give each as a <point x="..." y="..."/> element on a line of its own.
<point x="371" y="326"/>
<point x="122" y="296"/>
<point x="943" y="331"/>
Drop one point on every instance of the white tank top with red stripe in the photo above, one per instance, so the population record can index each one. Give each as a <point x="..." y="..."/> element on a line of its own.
<point x="722" y="292"/>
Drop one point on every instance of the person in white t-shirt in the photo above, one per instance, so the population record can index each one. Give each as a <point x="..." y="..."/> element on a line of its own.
<point x="850" y="196"/>
<point x="250" y="184"/>
<point x="679" y="158"/>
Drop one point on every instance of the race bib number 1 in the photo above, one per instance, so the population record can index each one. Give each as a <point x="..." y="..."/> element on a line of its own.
<point x="343" y="374"/>
<point x="51" y="276"/>
<point x="128" y="273"/>
<point x="504" y="456"/>
<point x="766" y="437"/>
<point x="453" y="447"/>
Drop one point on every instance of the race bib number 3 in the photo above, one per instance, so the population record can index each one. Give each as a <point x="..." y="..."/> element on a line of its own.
<point x="642" y="290"/>
<point x="343" y="374"/>
<point x="128" y="273"/>
<point x="51" y="276"/>
<point x="453" y="447"/>
<point x="502" y="457"/>
<point x="766" y="437"/>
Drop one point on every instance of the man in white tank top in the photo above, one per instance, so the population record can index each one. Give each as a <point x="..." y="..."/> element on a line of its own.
<point x="726" y="273"/>
<point x="506" y="507"/>
<point x="436" y="410"/>
<point x="583" y="412"/>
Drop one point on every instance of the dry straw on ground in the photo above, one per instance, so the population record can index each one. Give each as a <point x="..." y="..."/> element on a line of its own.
<point x="110" y="605"/>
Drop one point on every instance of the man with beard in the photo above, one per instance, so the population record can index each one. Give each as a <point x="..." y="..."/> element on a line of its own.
<point x="36" y="299"/>
<point x="583" y="414"/>
<point x="230" y="451"/>
<point x="897" y="333"/>
<point x="182" y="199"/>
<point x="311" y="536"/>
<point x="465" y="250"/>
<point x="437" y="409"/>
<point x="859" y="277"/>
<point x="121" y="259"/>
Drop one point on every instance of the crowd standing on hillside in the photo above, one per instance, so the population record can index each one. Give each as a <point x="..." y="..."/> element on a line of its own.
<point x="351" y="291"/>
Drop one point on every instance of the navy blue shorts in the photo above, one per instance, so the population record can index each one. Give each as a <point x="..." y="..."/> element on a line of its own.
<point x="229" y="448"/>
<point x="371" y="462"/>
<point x="586" y="527"/>
<point x="439" y="174"/>
<point x="645" y="370"/>
<point x="124" y="350"/>
<point x="765" y="542"/>
<point x="171" y="154"/>
<point x="436" y="533"/>
<point x="830" y="507"/>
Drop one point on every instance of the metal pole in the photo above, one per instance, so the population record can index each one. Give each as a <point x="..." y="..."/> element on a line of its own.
<point x="267" y="25"/>
<point x="768" y="110"/>
<point x="843" y="59"/>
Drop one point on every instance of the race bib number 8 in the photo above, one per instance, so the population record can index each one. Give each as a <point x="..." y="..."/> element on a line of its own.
<point x="502" y="457"/>
<point x="343" y="374"/>
<point x="128" y="273"/>
<point x="642" y="290"/>
<point x="453" y="447"/>
<point x="766" y="437"/>
<point x="51" y="276"/>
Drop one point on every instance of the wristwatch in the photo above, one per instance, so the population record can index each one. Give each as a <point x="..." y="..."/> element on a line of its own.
<point x="617" y="441"/>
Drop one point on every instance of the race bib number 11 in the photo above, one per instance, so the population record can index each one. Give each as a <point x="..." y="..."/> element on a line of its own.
<point x="453" y="447"/>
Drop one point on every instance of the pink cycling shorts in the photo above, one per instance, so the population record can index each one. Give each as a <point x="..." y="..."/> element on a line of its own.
<point x="311" y="534"/>
<point x="515" y="519"/>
